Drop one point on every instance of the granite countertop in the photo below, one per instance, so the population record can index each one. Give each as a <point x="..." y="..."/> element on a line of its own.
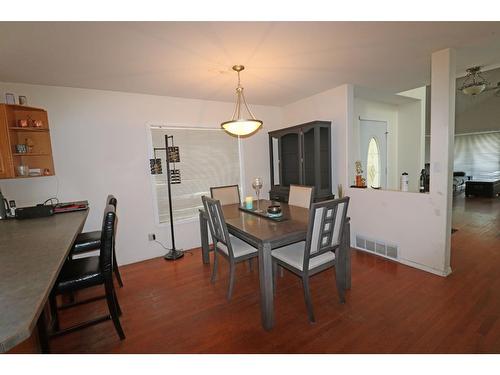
<point x="32" y="253"/>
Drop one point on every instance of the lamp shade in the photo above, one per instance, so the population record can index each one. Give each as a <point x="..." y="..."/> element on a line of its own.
<point x="474" y="89"/>
<point x="242" y="126"/>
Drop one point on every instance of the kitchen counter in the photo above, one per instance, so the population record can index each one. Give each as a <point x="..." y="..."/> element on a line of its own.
<point x="32" y="253"/>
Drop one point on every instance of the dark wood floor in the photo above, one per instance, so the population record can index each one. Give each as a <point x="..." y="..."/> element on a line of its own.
<point x="392" y="308"/>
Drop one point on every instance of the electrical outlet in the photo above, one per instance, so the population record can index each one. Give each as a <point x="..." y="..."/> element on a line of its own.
<point x="151" y="236"/>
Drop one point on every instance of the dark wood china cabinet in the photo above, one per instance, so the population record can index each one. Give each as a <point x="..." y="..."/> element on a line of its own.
<point x="301" y="155"/>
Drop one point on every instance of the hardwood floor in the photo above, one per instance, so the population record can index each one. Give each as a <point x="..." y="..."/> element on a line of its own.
<point x="392" y="308"/>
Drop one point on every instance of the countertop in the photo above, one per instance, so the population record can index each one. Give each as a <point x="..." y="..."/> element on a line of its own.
<point x="32" y="252"/>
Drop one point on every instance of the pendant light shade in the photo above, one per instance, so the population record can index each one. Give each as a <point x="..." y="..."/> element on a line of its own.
<point x="240" y="123"/>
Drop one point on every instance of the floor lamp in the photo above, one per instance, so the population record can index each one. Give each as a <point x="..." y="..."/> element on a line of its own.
<point x="173" y="177"/>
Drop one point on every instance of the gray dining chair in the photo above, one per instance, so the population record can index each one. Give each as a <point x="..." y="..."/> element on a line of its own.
<point x="229" y="194"/>
<point x="318" y="252"/>
<point x="226" y="245"/>
<point x="300" y="195"/>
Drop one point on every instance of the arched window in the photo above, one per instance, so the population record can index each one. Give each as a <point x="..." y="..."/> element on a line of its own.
<point x="373" y="164"/>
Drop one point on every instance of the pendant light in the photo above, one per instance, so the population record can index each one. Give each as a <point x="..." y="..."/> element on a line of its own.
<point x="474" y="83"/>
<point x="239" y="124"/>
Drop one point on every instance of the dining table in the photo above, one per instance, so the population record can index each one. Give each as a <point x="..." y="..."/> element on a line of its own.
<point x="267" y="234"/>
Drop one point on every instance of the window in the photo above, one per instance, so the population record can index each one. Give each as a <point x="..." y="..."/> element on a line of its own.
<point x="208" y="157"/>
<point x="478" y="154"/>
<point x="373" y="164"/>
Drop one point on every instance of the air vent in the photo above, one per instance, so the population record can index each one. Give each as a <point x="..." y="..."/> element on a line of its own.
<point x="360" y="242"/>
<point x="378" y="247"/>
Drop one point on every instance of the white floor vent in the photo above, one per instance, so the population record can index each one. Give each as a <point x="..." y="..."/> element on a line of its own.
<point x="383" y="248"/>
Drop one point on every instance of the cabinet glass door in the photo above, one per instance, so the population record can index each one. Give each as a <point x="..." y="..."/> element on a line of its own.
<point x="290" y="159"/>
<point x="309" y="157"/>
<point x="275" y="161"/>
<point x="324" y="178"/>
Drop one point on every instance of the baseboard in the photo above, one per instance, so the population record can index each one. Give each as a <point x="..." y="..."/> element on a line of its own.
<point x="409" y="263"/>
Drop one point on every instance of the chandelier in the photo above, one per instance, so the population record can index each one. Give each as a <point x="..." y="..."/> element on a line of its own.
<point x="474" y="83"/>
<point x="239" y="123"/>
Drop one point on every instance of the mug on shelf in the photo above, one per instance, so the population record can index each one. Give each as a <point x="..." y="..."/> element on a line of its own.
<point x="22" y="123"/>
<point x="21" y="149"/>
<point x="23" y="170"/>
<point x="38" y="123"/>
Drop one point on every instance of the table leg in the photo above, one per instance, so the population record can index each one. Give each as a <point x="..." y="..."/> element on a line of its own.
<point x="266" y="286"/>
<point x="205" y="248"/>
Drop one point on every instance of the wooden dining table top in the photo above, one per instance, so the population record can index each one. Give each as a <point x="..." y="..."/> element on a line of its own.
<point x="259" y="229"/>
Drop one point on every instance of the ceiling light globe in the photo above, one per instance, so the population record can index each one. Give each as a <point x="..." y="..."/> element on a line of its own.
<point x="241" y="127"/>
<point x="474" y="89"/>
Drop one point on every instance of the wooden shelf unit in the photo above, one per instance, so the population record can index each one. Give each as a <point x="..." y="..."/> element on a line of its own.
<point x="11" y="134"/>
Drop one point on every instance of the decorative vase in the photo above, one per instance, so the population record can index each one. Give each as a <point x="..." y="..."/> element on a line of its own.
<point x="359" y="180"/>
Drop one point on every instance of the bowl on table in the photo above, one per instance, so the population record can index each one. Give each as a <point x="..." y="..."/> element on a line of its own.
<point x="274" y="209"/>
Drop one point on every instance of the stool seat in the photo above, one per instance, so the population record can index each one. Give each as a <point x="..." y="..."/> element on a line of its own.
<point x="79" y="274"/>
<point x="87" y="241"/>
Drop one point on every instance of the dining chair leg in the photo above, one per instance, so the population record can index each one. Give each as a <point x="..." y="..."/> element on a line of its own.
<point x="232" y="266"/>
<point x="118" y="308"/>
<point x="340" y="286"/>
<point x="214" y="271"/>
<point x="307" y="298"/>
<point x="116" y="270"/>
<point x="113" y="311"/>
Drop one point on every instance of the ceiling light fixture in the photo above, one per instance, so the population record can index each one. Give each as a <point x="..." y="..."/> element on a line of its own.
<point x="474" y="83"/>
<point x="239" y="125"/>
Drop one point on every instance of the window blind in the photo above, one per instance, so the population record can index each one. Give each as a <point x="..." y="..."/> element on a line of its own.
<point x="208" y="157"/>
<point x="478" y="154"/>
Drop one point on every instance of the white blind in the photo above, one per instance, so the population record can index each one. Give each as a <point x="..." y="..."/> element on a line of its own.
<point x="208" y="157"/>
<point x="478" y="154"/>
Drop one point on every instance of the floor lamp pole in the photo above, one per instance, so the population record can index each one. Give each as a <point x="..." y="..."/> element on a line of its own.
<point x="173" y="253"/>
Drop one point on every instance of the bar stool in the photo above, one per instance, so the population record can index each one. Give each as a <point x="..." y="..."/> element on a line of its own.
<point x="91" y="241"/>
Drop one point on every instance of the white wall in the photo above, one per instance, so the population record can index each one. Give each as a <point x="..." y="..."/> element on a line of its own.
<point x="484" y="116"/>
<point x="410" y="143"/>
<point x="332" y="105"/>
<point x="100" y="146"/>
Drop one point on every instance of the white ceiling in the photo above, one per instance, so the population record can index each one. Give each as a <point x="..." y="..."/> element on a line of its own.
<point x="285" y="61"/>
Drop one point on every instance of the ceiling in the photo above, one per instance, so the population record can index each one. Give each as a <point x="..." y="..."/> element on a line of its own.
<point x="285" y="61"/>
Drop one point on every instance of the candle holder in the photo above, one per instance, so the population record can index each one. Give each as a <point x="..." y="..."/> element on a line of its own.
<point x="257" y="185"/>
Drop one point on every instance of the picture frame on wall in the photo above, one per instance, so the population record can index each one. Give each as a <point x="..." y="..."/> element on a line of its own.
<point x="10" y="98"/>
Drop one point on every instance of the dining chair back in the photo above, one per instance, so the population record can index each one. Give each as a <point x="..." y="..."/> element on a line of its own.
<point x="106" y="258"/>
<point x="326" y="226"/>
<point x="300" y="195"/>
<point x="217" y="224"/>
<point x="229" y="194"/>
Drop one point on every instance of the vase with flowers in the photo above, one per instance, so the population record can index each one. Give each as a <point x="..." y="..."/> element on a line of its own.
<point x="360" y="181"/>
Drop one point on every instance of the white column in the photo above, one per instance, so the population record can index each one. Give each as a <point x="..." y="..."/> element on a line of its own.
<point x="443" y="92"/>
